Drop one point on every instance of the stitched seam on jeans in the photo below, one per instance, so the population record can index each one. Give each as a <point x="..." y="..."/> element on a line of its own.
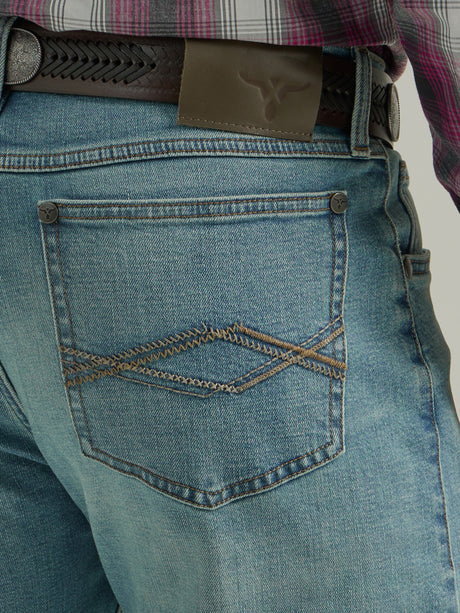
<point x="241" y="125"/>
<point x="228" y="486"/>
<point x="156" y="373"/>
<point x="168" y="340"/>
<point x="344" y="263"/>
<point x="330" y="372"/>
<point x="228" y="387"/>
<point x="327" y="371"/>
<point x="72" y="339"/>
<point x="199" y="504"/>
<point x="53" y="290"/>
<point x="419" y="266"/>
<point x="259" y="347"/>
<point x="328" y="339"/>
<point x="167" y="387"/>
<point x="422" y="360"/>
<point x="202" y="383"/>
<point x="210" y="336"/>
<point x="297" y="348"/>
<point x="213" y="333"/>
<point x="342" y="297"/>
<point x="78" y="367"/>
<point x="197" y="215"/>
<point x="233" y="200"/>
<point x="214" y="492"/>
<point x="135" y="367"/>
<point x="285" y="355"/>
<point x="334" y="261"/>
<point x="331" y="293"/>
<point x="331" y="222"/>
<point x="151" y="154"/>
<point x="159" y="142"/>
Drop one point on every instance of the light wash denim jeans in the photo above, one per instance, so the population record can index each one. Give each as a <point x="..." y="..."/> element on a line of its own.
<point x="217" y="394"/>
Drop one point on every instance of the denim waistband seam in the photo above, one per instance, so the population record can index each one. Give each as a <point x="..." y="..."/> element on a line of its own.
<point x="133" y="151"/>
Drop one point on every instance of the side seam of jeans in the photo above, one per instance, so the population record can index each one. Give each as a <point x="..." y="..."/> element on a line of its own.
<point x="427" y="368"/>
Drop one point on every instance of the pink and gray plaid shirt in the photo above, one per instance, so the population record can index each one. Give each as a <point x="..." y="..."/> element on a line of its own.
<point x="425" y="31"/>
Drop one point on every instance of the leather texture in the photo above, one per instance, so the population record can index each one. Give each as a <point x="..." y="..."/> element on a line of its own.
<point x="152" y="68"/>
<point x="258" y="88"/>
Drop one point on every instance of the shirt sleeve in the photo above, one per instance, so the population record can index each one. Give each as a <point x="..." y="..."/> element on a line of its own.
<point x="429" y="31"/>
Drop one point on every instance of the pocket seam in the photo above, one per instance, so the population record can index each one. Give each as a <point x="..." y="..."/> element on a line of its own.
<point x="277" y="476"/>
<point x="415" y="235"/>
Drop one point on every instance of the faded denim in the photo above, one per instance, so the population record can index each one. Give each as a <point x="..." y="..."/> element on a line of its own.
<point x="217" y="394"/>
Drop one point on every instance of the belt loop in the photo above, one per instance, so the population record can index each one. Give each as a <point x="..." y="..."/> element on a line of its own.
<point x="359" y="134"/>
<point x="6" y="23"/>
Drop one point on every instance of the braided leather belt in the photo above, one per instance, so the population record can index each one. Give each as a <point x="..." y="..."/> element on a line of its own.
<point x="151" y="68"/>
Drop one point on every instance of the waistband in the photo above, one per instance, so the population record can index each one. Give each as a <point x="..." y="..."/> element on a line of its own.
<point x="294" y="88"/>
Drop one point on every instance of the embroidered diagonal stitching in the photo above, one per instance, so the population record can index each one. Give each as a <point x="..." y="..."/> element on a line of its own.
<point x="283" y="354"/>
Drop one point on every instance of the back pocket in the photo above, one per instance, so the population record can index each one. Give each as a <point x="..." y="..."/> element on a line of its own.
<point x="201" y="340"/>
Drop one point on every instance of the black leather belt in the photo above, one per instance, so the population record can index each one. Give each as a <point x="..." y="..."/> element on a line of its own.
<point x="150" y="68"/>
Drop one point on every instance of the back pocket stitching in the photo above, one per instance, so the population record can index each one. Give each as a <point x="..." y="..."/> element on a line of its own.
<point x="289" y="359"/>
<point x="168" y="340"/>
<point x="257" y="482"/>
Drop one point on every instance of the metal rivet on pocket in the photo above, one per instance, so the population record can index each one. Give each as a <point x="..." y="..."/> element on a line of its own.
<point x="48" y="212"/>
<point x="339" y="202"/>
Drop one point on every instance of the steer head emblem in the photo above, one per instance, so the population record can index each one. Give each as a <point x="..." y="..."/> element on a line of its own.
<point x="47" y="211"/>
<point x="273" y="90"/>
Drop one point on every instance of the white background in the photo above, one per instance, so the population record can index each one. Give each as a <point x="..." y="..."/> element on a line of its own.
<point x="439" y="219"/>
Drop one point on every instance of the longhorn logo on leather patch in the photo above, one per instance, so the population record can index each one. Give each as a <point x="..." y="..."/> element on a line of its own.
<point x="251" y="88"/>
<point x="273" y="91"/>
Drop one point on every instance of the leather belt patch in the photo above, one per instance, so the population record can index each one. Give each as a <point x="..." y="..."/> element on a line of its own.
<point x="257" y="88"/>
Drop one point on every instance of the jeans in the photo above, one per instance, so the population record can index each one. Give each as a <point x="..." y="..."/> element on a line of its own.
<point x="219" y="391"/>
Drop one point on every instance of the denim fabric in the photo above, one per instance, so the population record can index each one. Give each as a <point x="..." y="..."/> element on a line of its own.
<point x="217" y="394"/>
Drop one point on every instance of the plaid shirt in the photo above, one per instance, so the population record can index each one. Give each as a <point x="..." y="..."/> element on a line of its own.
<point x="425" y="31"/>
